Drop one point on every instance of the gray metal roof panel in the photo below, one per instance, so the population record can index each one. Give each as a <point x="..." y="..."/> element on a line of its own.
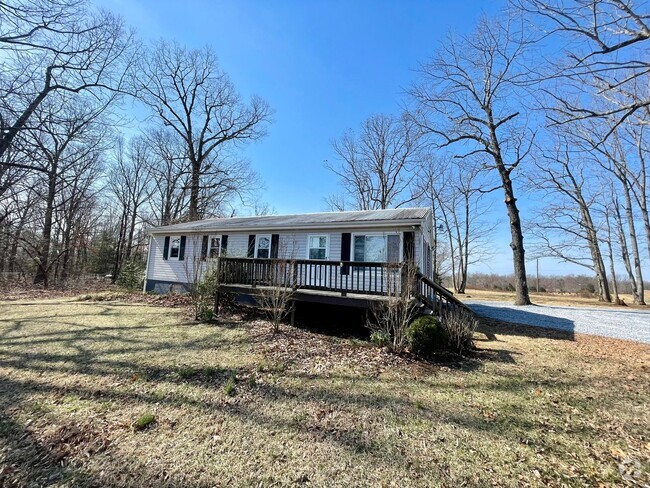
<point x="298" y="220"/>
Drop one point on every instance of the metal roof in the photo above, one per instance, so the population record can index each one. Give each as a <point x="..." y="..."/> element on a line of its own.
<point x="367" y="218"/>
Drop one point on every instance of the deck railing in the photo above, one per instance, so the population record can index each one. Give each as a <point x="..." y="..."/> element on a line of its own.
<point x="354" y="277"/>
<point x="336" y="276"/>
<point x="435" y="296"/>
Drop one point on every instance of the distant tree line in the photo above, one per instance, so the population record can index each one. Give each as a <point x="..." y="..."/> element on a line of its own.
<point x="551" y="99"/>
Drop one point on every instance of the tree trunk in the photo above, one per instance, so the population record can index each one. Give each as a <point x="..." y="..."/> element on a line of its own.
<point x="625" y="255"/>
<point x="44" y="252"/>
<point x="517" y="244"/>
<point x="194" y="192"/>
<point x="522" y="296"/>
<point x="596" y="255"/>
<point x="639" y="297"/>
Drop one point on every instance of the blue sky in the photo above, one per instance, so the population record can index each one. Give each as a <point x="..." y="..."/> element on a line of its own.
<point x="324" y="67"/>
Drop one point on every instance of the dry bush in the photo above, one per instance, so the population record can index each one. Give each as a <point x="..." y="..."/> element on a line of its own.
<point x="460" y="325"/>
<point x="275" y="298"/>
<point x="389" y="320"/>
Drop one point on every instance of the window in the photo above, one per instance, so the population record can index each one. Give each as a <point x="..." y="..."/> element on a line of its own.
<point x="317" y="248"/>
<point x="174" y="247"/>
<point x="263" y="247"/>
<point x="381" y="248"/>
<point x="214" y="246"/>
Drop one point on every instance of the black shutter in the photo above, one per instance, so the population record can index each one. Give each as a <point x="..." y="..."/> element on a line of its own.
<point x="181" y="251"/>
<point x="409" y="246"/>
<point x="346" y="241"/>
<point x="275" y="243"/>
<point x="224" y="244"/>
<point x="204" y="248"/>
<point x="251" y="245"/>
<point x="166" y="248"/>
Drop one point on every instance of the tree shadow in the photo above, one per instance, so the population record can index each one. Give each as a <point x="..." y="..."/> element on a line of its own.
<point x="387" y="396"/>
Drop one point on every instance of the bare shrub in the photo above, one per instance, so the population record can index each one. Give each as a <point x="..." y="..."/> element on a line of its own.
<point x="460" y="325"/>
<point x="390" y="319"/>
<point x="201" y="276"/>
<point x="276" y="297"/>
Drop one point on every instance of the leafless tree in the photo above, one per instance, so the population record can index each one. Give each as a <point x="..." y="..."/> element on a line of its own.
<point x="605" y="45"/>
<point x="130" y="184"/>
<point x="276" y="300"/>
<point x="467" y="98"/>
<point x="565" y="227"/>
<point x="616" y="159"/>
<point x="170" y="176"/>
<point x="391" y="317"/>
<point x="453" y="189"/>
<point x="49" y="46"/>
<point x="68" y="144"/>
<point x="376" y="168"/>
<point x="191" y="95"/>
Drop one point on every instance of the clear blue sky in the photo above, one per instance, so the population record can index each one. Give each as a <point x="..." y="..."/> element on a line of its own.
<point x="324" y="67"/>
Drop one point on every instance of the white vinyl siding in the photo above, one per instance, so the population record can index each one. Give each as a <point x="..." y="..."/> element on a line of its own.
<point x="292" y="245"/>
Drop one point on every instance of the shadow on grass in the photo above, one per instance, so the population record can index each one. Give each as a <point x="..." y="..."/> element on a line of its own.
<point x="87" y="350"/>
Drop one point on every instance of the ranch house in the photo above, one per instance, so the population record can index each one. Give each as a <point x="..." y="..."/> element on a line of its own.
<point x="344" y="258"/>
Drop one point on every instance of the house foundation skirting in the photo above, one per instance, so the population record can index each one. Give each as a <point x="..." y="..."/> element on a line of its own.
<point x="161" y="287"/>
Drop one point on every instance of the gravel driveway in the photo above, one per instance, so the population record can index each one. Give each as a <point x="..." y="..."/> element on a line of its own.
<point x="633" y="325"/>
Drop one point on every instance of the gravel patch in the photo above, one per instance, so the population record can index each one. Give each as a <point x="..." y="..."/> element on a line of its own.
<point x="633" y="325"/>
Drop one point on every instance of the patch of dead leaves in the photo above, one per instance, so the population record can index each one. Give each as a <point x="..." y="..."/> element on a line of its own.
<point x="316" y="354"/>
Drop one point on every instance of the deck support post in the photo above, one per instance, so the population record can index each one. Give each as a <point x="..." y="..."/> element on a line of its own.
<point x="217" y="297"/>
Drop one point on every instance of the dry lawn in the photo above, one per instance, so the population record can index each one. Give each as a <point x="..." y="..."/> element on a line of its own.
<point x="235" y="406"/>
<point x="565" y="299"/>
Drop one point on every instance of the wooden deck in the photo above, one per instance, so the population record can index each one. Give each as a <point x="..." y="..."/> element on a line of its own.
<point x="348" y="283"/>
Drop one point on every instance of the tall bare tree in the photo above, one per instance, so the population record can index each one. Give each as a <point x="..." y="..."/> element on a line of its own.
<point x="49" y="46"/>
<point x="616" y="159"/>
<point x="190" y="94"/>
<point x="467" y="98"/>
<point x="605" y="55"/>
<point x="565" y="227"/>
<point x="453" y="189"/>
<point x="376" y="168"/>
<point x="68" y="144"/>
<point x="170" y="176"/>
<point x="130" y="183"/>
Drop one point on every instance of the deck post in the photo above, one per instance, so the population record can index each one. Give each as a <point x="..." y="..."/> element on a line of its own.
<point x="217" y="297"/>
<point x="217" y="284"/>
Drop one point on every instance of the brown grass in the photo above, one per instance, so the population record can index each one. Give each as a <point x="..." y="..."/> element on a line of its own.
<point x="565" y="299"/>
<point x="527" y="410"/>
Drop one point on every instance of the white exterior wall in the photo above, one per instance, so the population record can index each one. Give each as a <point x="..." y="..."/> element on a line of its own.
<point x="292" y="245"/>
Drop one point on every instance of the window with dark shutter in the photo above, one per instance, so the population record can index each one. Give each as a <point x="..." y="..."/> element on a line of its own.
<point x="275" y="244"/>
<point x="166" y="248"/>
<point x="224" y="244"/>
<point x="204" y="248"/>
<point x="181" y="252"/>
<point x="174" y="247"/>
<point x="346" y="242"/>
<point x="251" y="245"/>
